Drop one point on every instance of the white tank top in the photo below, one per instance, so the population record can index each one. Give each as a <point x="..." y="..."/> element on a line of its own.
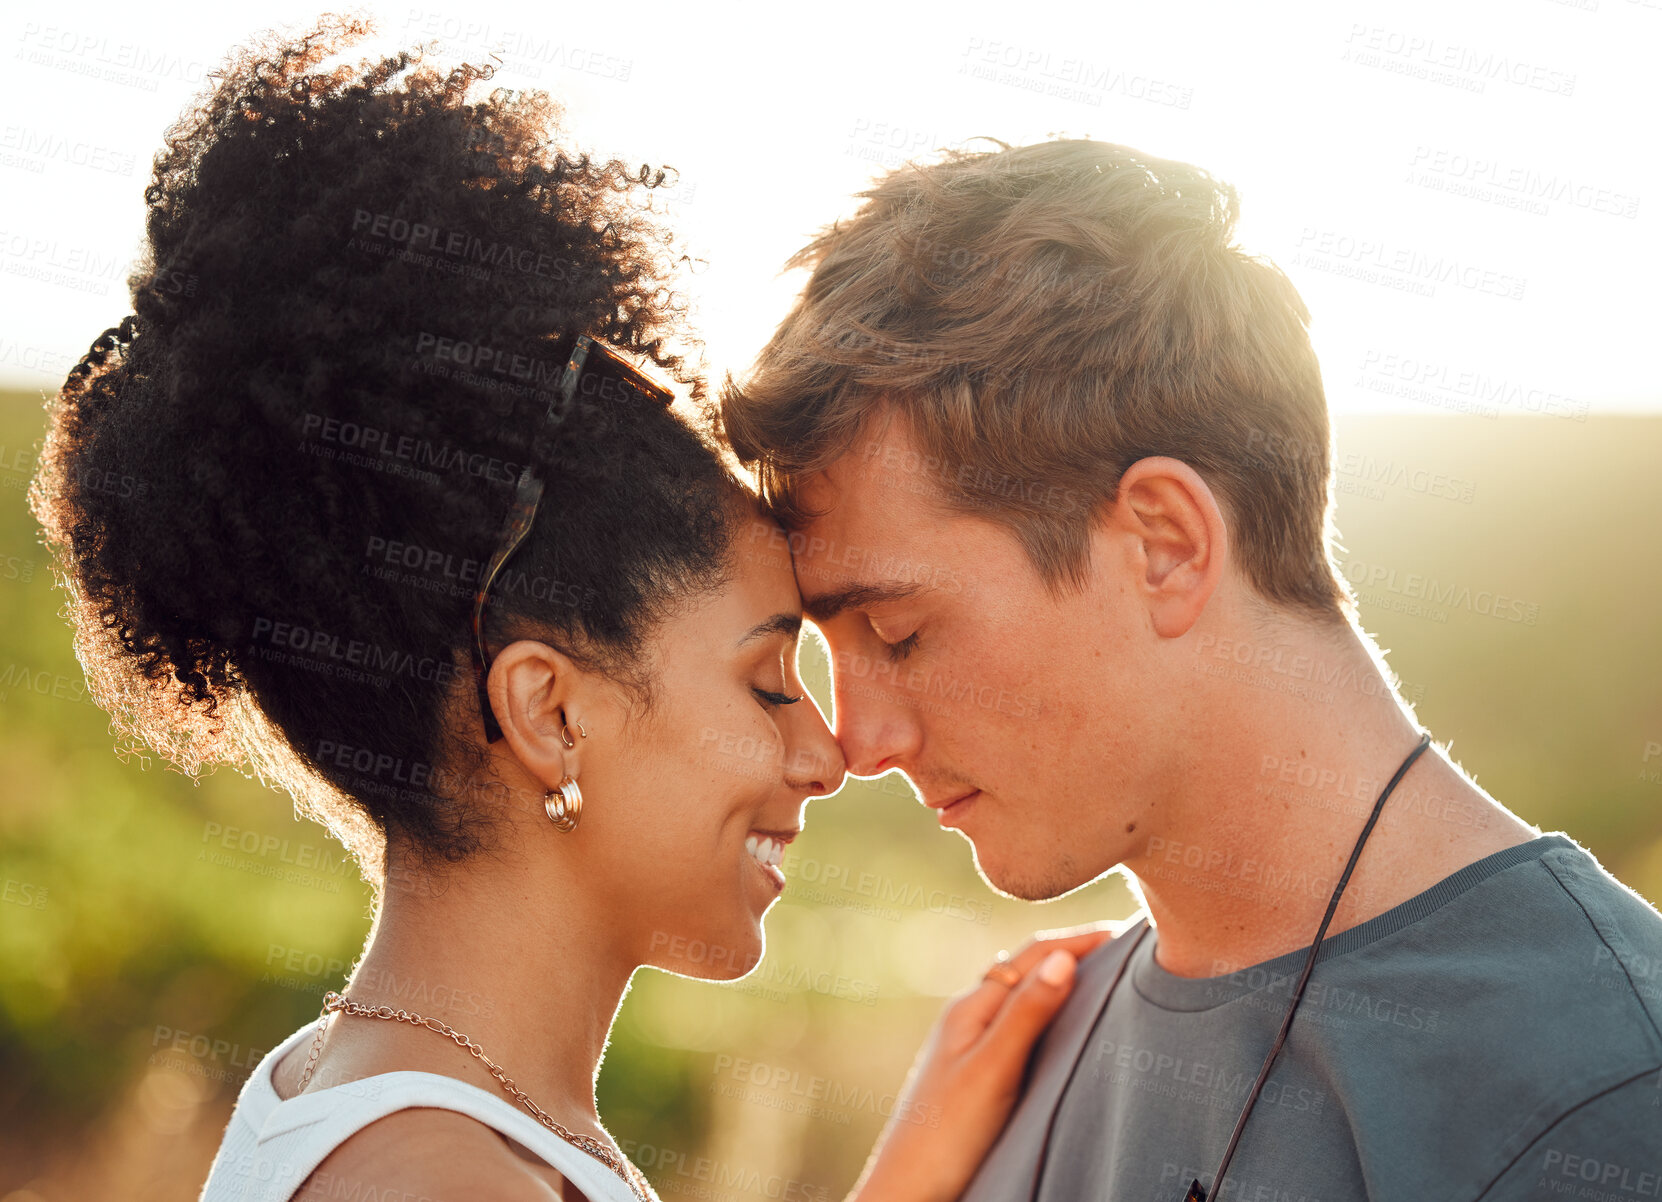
<point x="271" y="1146"/>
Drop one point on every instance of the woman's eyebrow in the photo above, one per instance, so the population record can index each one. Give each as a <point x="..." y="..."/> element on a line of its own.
<point x="780" y="623"/>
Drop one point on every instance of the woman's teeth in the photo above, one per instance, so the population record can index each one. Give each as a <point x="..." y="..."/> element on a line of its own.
<point x="765" y="850"/>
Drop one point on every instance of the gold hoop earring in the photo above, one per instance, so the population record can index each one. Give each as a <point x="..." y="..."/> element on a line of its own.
<point x="565" y="734"/>
<point x="564" y="805"/>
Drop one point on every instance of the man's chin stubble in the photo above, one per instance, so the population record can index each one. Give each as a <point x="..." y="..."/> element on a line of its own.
<point x="1031" y="887"/>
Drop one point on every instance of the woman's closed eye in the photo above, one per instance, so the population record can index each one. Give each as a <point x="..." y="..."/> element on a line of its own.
<point x="771" y="698"/>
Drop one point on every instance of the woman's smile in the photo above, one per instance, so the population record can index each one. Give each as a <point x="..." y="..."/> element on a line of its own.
<point x="767" y="849"/>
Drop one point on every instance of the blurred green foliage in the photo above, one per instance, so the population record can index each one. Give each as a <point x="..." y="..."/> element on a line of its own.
<point x="124" y="918"/>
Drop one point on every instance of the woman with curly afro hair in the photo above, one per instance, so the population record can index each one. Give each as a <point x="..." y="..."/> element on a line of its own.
<point x="426" y="546"/>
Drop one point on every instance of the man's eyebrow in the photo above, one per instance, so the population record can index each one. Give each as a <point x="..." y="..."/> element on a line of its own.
<point x="826" y="606"/>
<point x="780" y="623"/>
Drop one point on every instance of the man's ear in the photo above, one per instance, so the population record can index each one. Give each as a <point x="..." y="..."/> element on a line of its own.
<point x="1176" y="538"/>
<point x="531" y="686"/>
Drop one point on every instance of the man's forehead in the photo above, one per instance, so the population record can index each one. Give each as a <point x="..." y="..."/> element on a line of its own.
<point x="878" y="524"/>
<point x="880" y="478"/>
<point x="857" y="556"/>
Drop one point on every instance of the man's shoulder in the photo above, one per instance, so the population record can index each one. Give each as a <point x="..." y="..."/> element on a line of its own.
<point x="1096" y="975"/>
<point x="1008" y="1171"/>
<point x="1546" y="983"/>
<point x="1551" y="952"/>
<point x="1558" y="950"/>
<point x="1611" y="1142"/>
<point x="1624" y="931"/>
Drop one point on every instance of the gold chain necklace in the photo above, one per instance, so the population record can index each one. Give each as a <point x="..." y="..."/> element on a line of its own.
<point x="333" y="1001"/>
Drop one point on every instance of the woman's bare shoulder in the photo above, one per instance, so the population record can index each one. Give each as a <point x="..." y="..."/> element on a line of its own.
<point x="435" y="1155"/>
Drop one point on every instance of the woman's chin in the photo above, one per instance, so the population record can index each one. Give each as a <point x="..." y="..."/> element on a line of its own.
<point x="707" y="956"/>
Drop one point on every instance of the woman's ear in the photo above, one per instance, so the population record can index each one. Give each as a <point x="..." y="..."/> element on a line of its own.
<point x="530" y="686"/>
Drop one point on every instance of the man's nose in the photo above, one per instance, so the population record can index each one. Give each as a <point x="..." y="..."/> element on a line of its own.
<point x="872" y="736"/>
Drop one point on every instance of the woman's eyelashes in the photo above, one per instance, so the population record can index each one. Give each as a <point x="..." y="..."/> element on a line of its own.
<point x="771" y="698"/>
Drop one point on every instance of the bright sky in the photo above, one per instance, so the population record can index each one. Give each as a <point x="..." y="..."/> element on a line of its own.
<point x="1466" y="193"/>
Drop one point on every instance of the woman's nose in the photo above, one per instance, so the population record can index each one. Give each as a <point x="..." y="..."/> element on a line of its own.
<point x="817" y="761"/>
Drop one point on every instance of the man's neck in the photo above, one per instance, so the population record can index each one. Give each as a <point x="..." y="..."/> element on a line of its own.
<point x="1255" y="836"/>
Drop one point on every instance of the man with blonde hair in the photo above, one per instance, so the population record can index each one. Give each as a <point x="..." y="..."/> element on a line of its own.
<point x="1053" y="455"/>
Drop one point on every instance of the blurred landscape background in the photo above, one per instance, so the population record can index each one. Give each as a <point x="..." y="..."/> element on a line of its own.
<point x="156" y="937"/>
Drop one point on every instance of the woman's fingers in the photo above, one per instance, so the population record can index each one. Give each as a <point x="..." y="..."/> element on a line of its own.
<point x="969" y="1070"/>
<point x="1080" y="941"/>
<point x="1031" y="1005"/>
<point x="976" y="1010"/>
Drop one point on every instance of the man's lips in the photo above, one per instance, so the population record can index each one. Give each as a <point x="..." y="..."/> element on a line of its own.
<point x="943" y="802"/>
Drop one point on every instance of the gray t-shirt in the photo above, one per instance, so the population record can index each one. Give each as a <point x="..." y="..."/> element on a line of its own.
<point x="1498" y="1036"/>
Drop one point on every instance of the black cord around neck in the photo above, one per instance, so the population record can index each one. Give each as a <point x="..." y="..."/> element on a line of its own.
<point x="1197" y="1192"/>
